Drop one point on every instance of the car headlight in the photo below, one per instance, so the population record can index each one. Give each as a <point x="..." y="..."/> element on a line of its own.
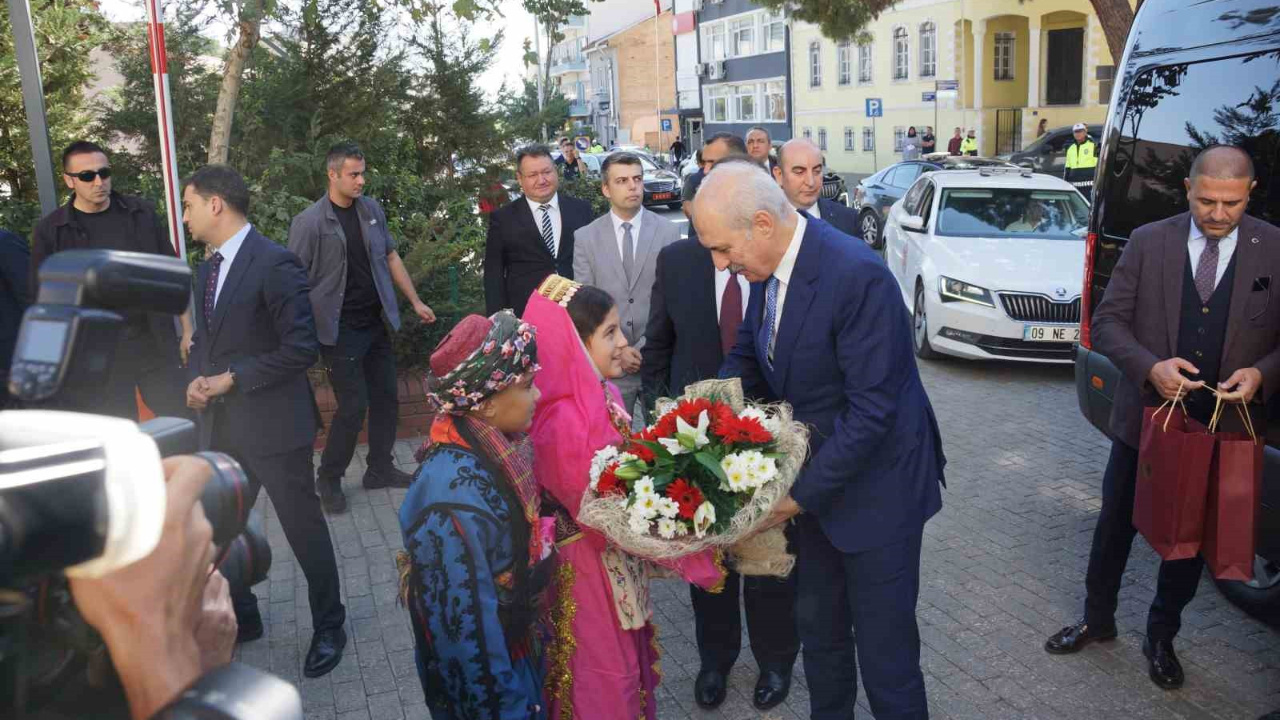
<point x="953" y="290"/>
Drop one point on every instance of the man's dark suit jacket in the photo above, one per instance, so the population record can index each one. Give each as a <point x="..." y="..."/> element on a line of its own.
<point x="844" y="360"/>
<point x="844" y="219"/>
<point x="263" y="330"/>
<point x="516" y="260"/>
<point x="682" y="344"/>
<point x="1136" y="324"/>
<point x="15" y="294"/>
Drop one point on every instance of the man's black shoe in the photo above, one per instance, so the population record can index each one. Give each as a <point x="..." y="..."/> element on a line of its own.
<point x="325" y="653"/>
<point x="709" y="689"/>
<point x="1274" y="715"/>
<point x="1073" y="639"/>
<point x="1162" y="664"/>
<point x="334" y="502"/>
<point x="771" y="689"/>
<point x="249" y="627"/>
<point x="392" y="477"/>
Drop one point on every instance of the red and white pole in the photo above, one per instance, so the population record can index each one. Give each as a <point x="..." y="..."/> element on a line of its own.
<point x="164" y="117"/>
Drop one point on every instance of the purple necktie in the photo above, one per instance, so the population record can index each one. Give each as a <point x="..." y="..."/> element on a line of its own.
<point x="211" y="289"/>
<point x="1207" y="269"/>
<point x="730" y="313"/>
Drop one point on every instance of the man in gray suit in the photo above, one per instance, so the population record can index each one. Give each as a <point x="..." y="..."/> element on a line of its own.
<point x="618" y="253"/>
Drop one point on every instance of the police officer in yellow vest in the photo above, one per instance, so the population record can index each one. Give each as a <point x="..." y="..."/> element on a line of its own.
<point x="970" y="144"/>
<point x="1082" y="159"/>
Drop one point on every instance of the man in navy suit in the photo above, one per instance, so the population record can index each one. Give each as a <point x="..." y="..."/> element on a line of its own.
<point x="531" y="237"/>
<point x="799" y="171"/>
<point x="826" y="331"/>
<point x="255" y="339"/>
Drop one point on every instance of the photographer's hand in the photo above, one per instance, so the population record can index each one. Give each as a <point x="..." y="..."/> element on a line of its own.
<point x="216" y="631"/>
<point x="148" y="612"/>
<point x="198" y="394"/>
<point x="219" y="384"/>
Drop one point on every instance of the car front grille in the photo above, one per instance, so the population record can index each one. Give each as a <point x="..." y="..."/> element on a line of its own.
<point x="831" y="190"/>
<point x="660" y="186"/>
<point x="1026" y="307"/>
<point x="1022" y="349"/>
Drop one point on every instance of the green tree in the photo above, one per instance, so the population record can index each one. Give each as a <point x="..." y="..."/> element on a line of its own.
<point x="521" y="119"/>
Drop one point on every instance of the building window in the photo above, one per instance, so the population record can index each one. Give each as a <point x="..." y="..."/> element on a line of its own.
<point x="775" y="101"/>
<point x="899" y="136"/>
<point x="864" y="63"/>
<point x="743" y="33"/>
<point x="868" y="139"/>
<point x="718" y="104"/>
<point x="822" y="139"/>
<point x="808" y="134"/>
<point x="901" y="54"/>
<point x="844" y="61"/>
<point x="928" y="50"/>
<point x="1004" y="56"/>
<point x="744" y="103"/>
<point x="713" y="41"/>
<point x="815" y="64"/>
<point x="848" y="139"/>
<point x="773" y="35"/>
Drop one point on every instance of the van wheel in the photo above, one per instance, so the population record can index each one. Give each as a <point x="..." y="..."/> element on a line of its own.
<point x="1260" y="597"/>
<point x="920" y="325"/>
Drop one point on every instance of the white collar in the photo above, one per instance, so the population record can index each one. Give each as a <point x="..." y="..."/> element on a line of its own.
<point x="1197" y="234"/>
<point x="635" y="222"/>
<point x="554" y="202"/>
<point x="788" y="263"/>
<point x="232" y="245"/>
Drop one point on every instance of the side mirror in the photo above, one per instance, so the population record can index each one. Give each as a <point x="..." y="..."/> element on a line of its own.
<point x="914" y="223"/>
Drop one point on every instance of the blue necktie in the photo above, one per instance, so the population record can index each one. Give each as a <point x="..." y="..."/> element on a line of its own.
<point x="770" y="316"/>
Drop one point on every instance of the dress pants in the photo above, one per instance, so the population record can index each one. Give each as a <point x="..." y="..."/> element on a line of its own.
<point x="141" y="364"/>
<point x="855" y="606"/>
<point x="362" y="370"/>
<point x="1112" y="538"/>
<point x="288" y="479"/>
<point x="770" y="605"/>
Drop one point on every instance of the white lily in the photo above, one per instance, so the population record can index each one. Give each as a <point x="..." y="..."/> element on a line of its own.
<point x="688" y="438"/>
<point x="703" y="519"/>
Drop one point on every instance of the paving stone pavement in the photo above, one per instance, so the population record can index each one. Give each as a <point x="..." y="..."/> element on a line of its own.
<point x="1003" y="567"/>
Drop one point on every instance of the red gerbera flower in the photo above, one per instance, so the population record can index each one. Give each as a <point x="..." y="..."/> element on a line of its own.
<point x="642" y="451"/>
<point x="743" y="430"/>
<point x="609" y="483"/>
<point x="687" y="496"/>
<point x="691" y="409"/>
<point x="666" y="426"/>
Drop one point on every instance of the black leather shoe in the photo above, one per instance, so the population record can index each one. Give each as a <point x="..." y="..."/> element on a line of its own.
<point x="334" y="502"/>
<point x="325" y="653"/>
<point x="771" y="689"/>
<point x="1275" y="715"/>
<point x="709" y="689"/>
<point x="392" y="477"/>
<point x="1073" y="639"/>
<point x="249" y="627"/>
<point x="1162" y="664"/>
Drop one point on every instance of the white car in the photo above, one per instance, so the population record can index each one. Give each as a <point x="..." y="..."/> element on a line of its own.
<point x="991" y="263"/>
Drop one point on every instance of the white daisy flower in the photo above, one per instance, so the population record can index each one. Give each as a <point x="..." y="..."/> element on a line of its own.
<point x="643" y="486"/>
<point x="646" y="505"/>
<point x="667" y="528"/>
<point x="639" y="524"/>
<point x="668" y="508"/>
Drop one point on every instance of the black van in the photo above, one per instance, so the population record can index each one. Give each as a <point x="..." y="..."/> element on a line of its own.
<point x="1194" y="74"/>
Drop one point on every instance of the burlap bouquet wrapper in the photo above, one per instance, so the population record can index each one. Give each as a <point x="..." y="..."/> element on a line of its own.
<point x="751" y="552"/>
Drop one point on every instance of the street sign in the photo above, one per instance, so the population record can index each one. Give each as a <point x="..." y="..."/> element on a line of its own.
<point x="582" y="142"/>
<point x="875" y="107"/>
<point x="666" y="124"/>
<point x="947" y="85"/>
<point x="929" y="96"/>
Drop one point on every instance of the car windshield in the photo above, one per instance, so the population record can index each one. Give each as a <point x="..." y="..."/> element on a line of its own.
<point x="1013" y="212"/>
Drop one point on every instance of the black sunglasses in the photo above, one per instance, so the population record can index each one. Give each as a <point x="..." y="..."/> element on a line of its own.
<point x="89" y="175"/>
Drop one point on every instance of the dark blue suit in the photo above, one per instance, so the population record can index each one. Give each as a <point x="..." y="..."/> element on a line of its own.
<point x="15" y="260"/>
<point x="843" y="359"/>
<point x="844" y="219"/>
<point x="262" y="330"/>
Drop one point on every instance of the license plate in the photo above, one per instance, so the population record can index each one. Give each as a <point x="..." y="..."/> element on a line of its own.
<point x="1051" y="333"/>
<point x="662" y="196"/>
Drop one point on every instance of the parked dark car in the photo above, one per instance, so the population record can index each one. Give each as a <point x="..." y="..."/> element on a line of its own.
<point x="661" y="186"/>
<point x="835" y="188"/>
<point x="875" y="194"/>
<point x="1048" y="154"/>
<point x="1193" y="74"/>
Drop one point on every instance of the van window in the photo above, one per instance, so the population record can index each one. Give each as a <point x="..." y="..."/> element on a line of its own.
<point x="1173" y="112"/>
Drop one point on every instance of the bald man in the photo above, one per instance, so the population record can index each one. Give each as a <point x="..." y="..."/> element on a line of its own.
<point x="1189" y="304"/>
<point x="826" y="331"/>
<point x="799" y="173"/>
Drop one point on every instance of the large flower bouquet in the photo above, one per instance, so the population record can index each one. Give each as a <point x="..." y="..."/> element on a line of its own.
<point x="704" y="475"/>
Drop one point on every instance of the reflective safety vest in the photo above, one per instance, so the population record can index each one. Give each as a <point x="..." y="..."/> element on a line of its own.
<point x="1082" y="156"/>
<point x="970" y="145"/>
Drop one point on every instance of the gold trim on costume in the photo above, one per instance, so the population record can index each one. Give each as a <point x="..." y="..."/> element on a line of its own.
<point x="563" y="644"/>
<point x="718" y="558"/>
<point x="559" y="290"/>
<point x="657" y="654"/>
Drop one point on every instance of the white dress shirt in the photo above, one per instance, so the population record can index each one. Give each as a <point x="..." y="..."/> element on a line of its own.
<point x="1226" y="248"/>
<point x="722" y="282"/>
<point x="228" y="252"/>
<point x="783" y="274"/>
<point x="554" y="212"/>
<point x="619" y="233"/>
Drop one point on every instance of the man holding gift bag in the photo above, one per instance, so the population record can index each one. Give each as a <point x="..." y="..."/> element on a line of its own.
<point x="1188" y="305"/>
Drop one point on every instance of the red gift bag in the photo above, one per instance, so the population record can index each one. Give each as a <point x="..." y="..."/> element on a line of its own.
<point x="1235" y="494"/>
<point x="1173" y="481"/>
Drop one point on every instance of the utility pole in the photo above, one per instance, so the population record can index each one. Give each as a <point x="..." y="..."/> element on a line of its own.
<point x="24" y="45"/>
<point x="537" y="48"/>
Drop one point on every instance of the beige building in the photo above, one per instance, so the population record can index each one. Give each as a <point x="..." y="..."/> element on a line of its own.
<point x="633" y="76"/>
<point x="1031" y="61"/>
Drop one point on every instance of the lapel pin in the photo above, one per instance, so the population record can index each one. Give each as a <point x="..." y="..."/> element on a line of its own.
<point x="375" y="222"/>
<point x="1253" y="240"/>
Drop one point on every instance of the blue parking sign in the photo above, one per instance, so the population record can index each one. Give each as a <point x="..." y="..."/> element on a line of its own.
<point x="875" y="107"/>
<point x="666" y="124"/>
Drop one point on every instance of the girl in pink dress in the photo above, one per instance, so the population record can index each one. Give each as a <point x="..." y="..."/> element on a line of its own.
<point x="603" y="658"/>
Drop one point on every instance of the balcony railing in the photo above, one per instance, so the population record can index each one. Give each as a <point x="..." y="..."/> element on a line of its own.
<point x="579" y="109"/>
<point x="567" y="65"/>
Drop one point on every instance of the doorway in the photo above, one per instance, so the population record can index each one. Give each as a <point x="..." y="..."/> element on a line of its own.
<point x="1065" y="67"/>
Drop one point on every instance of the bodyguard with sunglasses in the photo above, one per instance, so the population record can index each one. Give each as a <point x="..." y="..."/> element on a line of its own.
<point x="151" y="354"/>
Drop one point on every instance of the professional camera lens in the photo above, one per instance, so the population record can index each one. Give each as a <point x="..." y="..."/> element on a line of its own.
<point x="227" y="497"/>
<point x="247" y="559"/>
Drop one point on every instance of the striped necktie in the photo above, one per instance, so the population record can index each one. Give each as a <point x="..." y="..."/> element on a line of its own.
<point x="548" y="235"/>
<point x="211" y="289"/>
<point x="770" y="316"/>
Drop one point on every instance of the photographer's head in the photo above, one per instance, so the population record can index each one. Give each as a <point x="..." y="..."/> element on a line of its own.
<point x="86" y="169"/>
<point x="215" y="201"/>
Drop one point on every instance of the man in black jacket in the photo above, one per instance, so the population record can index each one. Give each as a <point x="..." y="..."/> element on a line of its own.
<point x="255" y="340"/>
<point x="14" y="297"/>
<point x="532" y="236"/>
<point x="799" y="172"/>
<point x="150" y="355"/>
